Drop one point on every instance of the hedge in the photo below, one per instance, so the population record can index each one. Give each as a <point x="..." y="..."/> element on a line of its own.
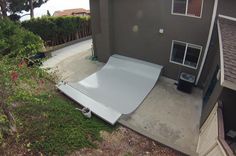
<point x="59" y="30"/>
<point x="15" y="40"/>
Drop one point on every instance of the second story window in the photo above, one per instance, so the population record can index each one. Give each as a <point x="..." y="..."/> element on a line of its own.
<point x="187" y="7"/>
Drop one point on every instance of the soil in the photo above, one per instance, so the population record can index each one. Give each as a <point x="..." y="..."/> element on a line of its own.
<point x="12" y="148"/>
<point x="125" y="142"/>
<point x="121" y="142"/>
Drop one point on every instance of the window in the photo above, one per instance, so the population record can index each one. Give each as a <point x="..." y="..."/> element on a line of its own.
<point x="185" y="54"/>
<point x="187" y="7"/>
<point x="178" y="52"/>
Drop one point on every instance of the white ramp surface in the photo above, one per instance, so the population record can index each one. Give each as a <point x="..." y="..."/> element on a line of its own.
<point x="118" y="88"/>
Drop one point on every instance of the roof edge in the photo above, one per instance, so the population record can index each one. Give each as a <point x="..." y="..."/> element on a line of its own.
<point x="222" y="77"/>
<point x="227" y="17"/>
<point x="224" y="83"/>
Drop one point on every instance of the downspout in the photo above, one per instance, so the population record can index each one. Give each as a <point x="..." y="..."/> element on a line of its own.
<point x="208" y="40"/>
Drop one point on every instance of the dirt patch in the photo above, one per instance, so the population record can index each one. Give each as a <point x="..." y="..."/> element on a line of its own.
<point x="125" y="142"/>
<point x="121" y="142"/>
<point x="10" y="147"/>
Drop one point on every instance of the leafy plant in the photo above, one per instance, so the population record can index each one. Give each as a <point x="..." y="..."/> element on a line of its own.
<point x="15" y="39"/>
<point x="16" y="79"/>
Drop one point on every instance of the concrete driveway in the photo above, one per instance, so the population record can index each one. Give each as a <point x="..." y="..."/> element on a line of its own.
<point x="166" y="115"/>
<point x="64" y="53"/>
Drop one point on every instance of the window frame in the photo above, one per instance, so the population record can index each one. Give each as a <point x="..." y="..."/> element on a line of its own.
<point x="185" y="53"/>
<point x="186" y="10"/>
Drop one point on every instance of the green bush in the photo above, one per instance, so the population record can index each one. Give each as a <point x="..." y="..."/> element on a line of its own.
<point x="16" y="40"/>
<point x="16" y="44"/>
<point x="59" y="30"/>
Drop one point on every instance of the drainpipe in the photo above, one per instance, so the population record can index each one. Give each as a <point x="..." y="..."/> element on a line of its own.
<point x="208" y="40"/>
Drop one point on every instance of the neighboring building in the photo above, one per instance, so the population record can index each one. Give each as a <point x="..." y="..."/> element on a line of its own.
<point x="73" y="12"/>
<point x="192" y="36"/>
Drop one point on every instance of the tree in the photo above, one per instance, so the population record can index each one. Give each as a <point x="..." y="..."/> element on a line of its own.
<point x="26" y="5"/>
<point x="48" y="13"/>
<point x="31" y="6"/>
<point x="3" y="8"/>
<point x="14" y="7"/>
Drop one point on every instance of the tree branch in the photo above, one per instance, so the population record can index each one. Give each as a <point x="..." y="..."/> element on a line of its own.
<point x="24" y="15"/>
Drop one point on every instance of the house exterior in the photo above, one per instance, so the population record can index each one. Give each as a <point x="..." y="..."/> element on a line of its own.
<point x="192" y="36"/>
<point x="219" y="95"/>
<point x="220" y="90"/>
<point x="72" y="12"/>
<point x="136" y="32"/>
<point x="213" y="87"/>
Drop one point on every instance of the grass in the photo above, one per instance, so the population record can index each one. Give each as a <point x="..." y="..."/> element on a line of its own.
<point x="55" y="127"/>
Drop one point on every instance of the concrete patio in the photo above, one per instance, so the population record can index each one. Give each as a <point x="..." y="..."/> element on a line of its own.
<point x="166" y="115"/>
<point x="169" y="116"/>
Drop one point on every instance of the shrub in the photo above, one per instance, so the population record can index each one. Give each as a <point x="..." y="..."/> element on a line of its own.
<point x="18" y="84"/>
<point x="14" y="39"/>
<point x="59" y="30"/>
<point x="16" y="44"/>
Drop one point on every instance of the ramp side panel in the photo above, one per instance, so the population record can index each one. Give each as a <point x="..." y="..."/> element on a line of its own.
<point x="97" y="108"/>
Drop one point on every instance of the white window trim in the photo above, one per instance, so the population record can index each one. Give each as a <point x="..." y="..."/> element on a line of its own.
<point x="186" y="10"/>
<point x="185" y="53"/>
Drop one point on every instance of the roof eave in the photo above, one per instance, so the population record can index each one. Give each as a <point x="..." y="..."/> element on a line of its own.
<point x="224" y="82"/>
<point x="221" y="54"/>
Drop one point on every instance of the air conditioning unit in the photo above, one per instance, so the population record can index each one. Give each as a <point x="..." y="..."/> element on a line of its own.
<point x="186" y="82"/>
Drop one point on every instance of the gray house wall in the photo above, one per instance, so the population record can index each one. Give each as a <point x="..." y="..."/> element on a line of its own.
<point x="101" y="28"/>
<point x="228" y="98"/>
<point x="227" y="7"/>
<point x="118" y="34"/>
<point x="212" y="61"/>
